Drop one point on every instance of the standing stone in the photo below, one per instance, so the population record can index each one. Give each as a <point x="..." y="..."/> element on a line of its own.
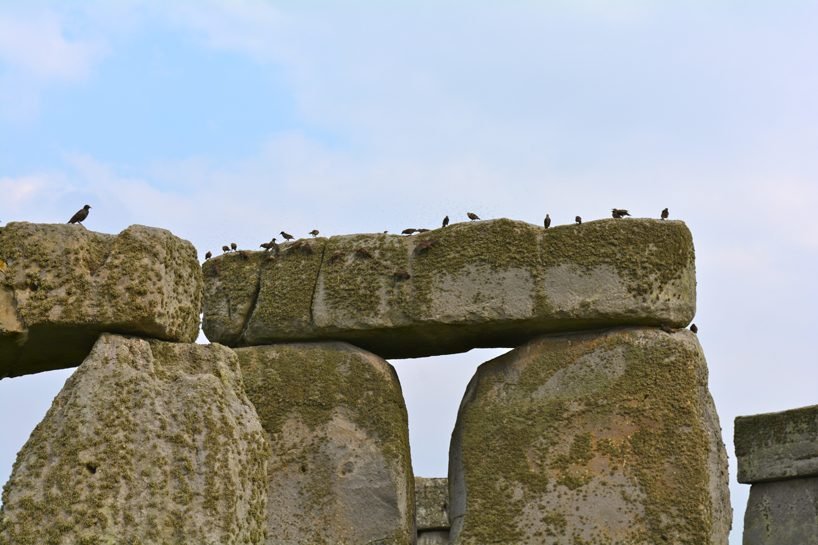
<point x="339" y="467"/>
<point x="432" y="509"/>
<point x="605" y="437"/>
<point x="63" y="285"/>
<point x="148" y="442"/>
<point x="476" y="284"/>
<point x="778" y="454"/>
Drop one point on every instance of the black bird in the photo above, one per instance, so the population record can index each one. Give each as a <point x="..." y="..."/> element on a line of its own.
<point x="619" y="213"/>
<point x="445" y="221"/>
<point x="665" y="214"/>
<point x="693" y="328"/>
<point x="208" y="255"/>
<point x="547" y="221"/>
<point x="472" y="216"/>
<point x="80" y="215"/>
<point x="266" y="245"/>
<point x="225" y="249"/>
<point x="287" y="236"/>
<point x="314" y="233"/>
<point x="578" y="219"/>
<point x="234" y="246"/>
<point x="408" y="231"/>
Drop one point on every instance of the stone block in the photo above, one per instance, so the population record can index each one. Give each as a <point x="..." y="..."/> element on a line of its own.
<point x="782" y="513"/>
<point x="148" y="442"/>
<point x="775" y="446"/>
<point x="432" y="503"/>
<point x="339" y="466"/>
<point x="63" y="285"/>
<point x="492" y="283"/>
<point x="604" y="437"/>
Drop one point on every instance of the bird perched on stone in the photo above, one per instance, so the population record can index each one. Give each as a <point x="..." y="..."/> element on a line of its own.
<point x="81" y="214"/>
<point x="619" y="213"/>
<point x="234" y="246"/>
<point x="208" y="255"/>
<point x="445" y="221"/>
<point x="271" y="246"/>
<point x="472" y="216"/>
<point x="287" y="236"/>
<point x="578" y="220"/>
<point x="225" y="249"/>
<point x="408" y="231"/>
<point x="693" y="328"/>
<point x="547" y="222"/>
<point x="665" y="214"/>
<point x="314" y="233"/>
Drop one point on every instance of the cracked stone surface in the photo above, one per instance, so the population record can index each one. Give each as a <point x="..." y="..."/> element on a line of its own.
<point x="63" y="285"/>
<point x="604" y="437"/>
<point x="148" y="442"/>
<point x="494" y="283"/>
<point x="339" y="467"/>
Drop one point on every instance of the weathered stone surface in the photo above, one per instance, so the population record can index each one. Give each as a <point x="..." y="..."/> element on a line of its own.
<point x="433" y="537"/>
<point x="339" y="467"/>
<point x="148" y="442"/>
<point x="63" y="285"/>
<point x="432" y="503"/>
<point x="607" y="437"/>
<point x="782" y="513"/>
<point x="775" y="446"/>
<point x="476" y="284"/>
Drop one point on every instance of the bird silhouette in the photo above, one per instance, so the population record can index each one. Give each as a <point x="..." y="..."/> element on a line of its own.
<point x="234" y="246"/>
<point x="225" y="249"/>
<point x="314" y="233"/>
<point x="693" y="328"/>
<point x="619" y="213"/>
<point x="287" y="236"/>
<point x="547" y="221"/>
<point x="578" y="219"/>
<point x="208" y="255"/>
<point x="665" y="214"/>
<point x="445" y="221"/>
<point x="472" y="216"/>
<point x="81" y="214"/>
<point x="408" y="231"/>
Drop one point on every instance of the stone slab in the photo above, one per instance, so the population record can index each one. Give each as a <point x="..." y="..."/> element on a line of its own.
<point x="775" y="446"/>
<point x="148" y="442"/>
<point x="605" y="437"/>
<point x="491" y="283"/>
<point x="339" y="467"/>
<point x="63" y="285"/>
<point x="782" y="513"/>
<point x="432" y="503"/>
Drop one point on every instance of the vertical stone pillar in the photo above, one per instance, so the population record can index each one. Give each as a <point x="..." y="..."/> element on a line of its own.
<point x="432" y="509"/>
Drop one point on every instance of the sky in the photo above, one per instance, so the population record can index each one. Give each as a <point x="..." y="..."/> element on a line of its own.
<point x="231" y="121"/>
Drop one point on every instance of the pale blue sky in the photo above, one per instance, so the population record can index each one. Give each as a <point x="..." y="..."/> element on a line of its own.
<point x="230" y="121"/>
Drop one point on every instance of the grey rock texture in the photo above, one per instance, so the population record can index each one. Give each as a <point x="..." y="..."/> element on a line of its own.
<point x="782" y="513"/>
<point x="148" y="442"/>
<point x="432" y="503"/>
<point x="339" y="466"/>
<point x="476" y="284"/>
<point x="63" y="285"/>
<point x="775" y="446"/>
<point x="606" y="437"/>
<point x="433" y="537"/>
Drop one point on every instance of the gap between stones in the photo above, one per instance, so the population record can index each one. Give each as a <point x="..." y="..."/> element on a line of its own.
<point x="315" y="284"/>
<point x="252" y="309"/>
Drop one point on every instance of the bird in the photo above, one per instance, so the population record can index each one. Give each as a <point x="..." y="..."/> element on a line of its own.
<point x="445" y="221"/>
<point x="266" y="245"/>
<point x="408" y="231"/>
<point x="234" y="246"/>
<point x="225" y="249"/>
<point x="80" y="215"/>
<point x="693" y="328"/>
<point x="314" y="233"/>
<point x="665" y="214"/>
<point x="619" y="213"/>
<point x="547" y="221"/>
<point x="472" y="216"/>
<point x="578" y="219"/>
<point x="287" y="236"/>
<point x="208" y="255"/>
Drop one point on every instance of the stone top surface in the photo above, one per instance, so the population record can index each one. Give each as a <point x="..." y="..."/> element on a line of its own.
<point x="432" y="503"/>
<point x="775" y="446"/>
<point x="494" y="283"/>
<point x="63" y="285"/>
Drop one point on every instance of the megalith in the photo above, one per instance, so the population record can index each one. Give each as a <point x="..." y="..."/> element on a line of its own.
<point x="339" y="469"/>
<point x="477" y="284"/>
<point x="63" y="285"/>
<point x="602" y="437"/>
<point x="432" y="510"/>
<point x="148" y="442"/>
<point x="778" y="454"/>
